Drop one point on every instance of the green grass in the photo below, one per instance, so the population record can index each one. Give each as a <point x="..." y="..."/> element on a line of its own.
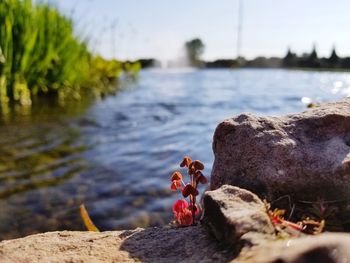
<point x="39" y="54"/>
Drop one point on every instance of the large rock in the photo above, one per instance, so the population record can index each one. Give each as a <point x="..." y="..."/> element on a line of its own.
<point x="241" y="214"/>
<point x="231" y="212"/>
<point x="305" y="155"/>
<point x="189" y="244"/>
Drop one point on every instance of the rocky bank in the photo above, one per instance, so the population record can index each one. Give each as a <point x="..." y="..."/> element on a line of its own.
<point x="305" y="156"/>
<point x="236" y="228"/>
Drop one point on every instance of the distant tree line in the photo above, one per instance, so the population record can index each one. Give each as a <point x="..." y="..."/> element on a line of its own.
<point x="290" y="60"/>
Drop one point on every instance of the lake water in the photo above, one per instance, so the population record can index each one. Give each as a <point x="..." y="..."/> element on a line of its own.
<point x="116" y="155"/>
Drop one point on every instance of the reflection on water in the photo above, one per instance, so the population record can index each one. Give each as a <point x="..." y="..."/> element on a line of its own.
<point x="116" y="155"/>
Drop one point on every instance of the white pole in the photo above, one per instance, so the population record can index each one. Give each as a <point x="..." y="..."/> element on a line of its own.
<point x="239" y="28"/>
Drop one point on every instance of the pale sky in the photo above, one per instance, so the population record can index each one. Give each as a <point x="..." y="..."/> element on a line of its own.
<point x="158" y="28"/>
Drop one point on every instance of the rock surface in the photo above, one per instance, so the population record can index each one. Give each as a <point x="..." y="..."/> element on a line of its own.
<point x="189" y="244"/>
<point x="230" y="212"/>
<point x="247" y="224"/>
<point x="324" y="248"/>
<point x="305" y="155"/>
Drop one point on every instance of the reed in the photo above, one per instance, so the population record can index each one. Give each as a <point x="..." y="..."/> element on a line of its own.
<point x="39" y="54"/>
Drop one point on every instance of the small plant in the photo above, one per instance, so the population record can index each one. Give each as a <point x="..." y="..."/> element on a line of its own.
<point x="285" y="227"/>
<point x="184" y="212"/>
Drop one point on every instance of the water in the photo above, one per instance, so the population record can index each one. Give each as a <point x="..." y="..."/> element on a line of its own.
<point x="116" y="155"/>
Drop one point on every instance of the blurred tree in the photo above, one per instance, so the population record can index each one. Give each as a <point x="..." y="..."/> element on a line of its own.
<point x="312" y="60"/>
<point x="313" y="54"/>
<point x="194" y="50"/>
<point x="290" y="60"/>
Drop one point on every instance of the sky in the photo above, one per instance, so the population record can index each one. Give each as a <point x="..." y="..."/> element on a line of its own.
<point x="131" y="29"/>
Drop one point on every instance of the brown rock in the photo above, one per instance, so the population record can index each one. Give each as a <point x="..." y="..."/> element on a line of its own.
<point x="231" y="212"/>
<point x="305" y="155"/>
<point x="324" y="248"/>
<point x="187" y="244"/>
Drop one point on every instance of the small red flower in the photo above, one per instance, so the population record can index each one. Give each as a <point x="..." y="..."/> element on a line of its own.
<point x="185" y="218"/>
<point x="179" y="206"/>
<point x="200" y="177"/>
<point x="176" y="176"/>
<point x="197" y="165"/>
<point x="175" y="185"/>
<point x="186" y="161"/>
<point x="189" y="190"/>
<point x="182" y="214"/>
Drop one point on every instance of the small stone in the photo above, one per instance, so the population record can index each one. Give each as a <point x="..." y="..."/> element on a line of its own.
<point x="230" y="212"/>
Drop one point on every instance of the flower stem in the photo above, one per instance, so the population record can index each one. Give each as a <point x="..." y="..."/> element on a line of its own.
<point x="193" y="210"/>
<point x="193" y="199"/>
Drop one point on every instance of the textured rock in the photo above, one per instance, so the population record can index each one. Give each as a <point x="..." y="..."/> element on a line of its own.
<point x="305" y="155"/>
<point x="190" y="244"/>
<point x="249" y="226"/>
<point x="324" y="248"/>
<point x="230" y="212"/>
<point x="145" y="245"/>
